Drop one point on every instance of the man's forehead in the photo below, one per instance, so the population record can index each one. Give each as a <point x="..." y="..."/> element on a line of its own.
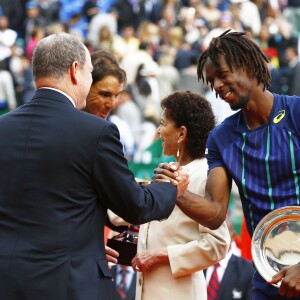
<point x="213" y="67"/>
<point x="217" y="62"/>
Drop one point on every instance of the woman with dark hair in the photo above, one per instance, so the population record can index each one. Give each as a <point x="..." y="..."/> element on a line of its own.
<point x="172" y="253"/>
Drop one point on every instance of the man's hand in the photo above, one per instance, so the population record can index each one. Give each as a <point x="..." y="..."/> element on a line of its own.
<point x="183" y="181"/>
<point x="290" y="285"/>
<point x="111" y="255"/>
<point x="166" y="172"/>
<point x="173" y="173"/>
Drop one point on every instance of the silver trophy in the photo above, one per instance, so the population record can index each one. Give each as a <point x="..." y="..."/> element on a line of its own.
<point x="276" y="241"/>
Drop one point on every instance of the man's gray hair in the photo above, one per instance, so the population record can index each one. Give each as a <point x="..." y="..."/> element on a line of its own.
<point x="54" y="55"/>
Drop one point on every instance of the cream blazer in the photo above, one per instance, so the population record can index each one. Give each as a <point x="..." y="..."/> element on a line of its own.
<point x="191" y="248"/>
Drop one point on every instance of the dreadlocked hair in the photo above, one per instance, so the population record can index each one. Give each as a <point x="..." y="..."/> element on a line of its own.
<point x="240" y="53"/>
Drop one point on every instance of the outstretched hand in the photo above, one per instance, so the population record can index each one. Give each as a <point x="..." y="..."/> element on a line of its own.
<point x="290" y="285"/>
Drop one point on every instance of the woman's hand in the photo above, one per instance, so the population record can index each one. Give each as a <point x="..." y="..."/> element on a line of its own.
<point x="144" y="261"/>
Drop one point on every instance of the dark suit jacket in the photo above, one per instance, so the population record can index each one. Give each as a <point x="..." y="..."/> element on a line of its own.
<point x="237" y="280"/>
<point x="130" y="293"/>
<point x="61" y="169"/>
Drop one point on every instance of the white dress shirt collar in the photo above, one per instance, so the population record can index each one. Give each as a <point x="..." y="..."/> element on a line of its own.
<point x="72" y="101"/>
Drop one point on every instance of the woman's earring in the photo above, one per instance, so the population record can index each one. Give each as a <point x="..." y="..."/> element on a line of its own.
<point x="178" y="149"/>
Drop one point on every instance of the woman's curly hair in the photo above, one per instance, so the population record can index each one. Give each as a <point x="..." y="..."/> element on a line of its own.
<point x="195" y="113"/>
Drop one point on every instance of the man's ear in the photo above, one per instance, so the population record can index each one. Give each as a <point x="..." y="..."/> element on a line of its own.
<point x="74" y="72"/>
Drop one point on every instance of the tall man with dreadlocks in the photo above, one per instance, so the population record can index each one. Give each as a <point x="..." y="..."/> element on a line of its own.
<point x="258" y="147"/>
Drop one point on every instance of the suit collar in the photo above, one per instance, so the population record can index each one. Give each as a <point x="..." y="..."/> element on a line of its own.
<point x="53" y="89"/>
<point x="53" y="94"/>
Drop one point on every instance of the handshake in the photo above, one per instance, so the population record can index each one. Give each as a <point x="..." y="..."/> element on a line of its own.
<point x="165" y="172"/>
<point x="173" y="173"/>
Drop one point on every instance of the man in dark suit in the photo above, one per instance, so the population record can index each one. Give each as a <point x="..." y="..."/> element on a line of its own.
<point x="234" y="274"/>
<point x="128" y="290"/>
<point x="236" y="282"/>
<point x="61" y="169"/>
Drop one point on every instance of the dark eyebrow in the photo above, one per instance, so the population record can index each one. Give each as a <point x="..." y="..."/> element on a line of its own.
<point x="105" y="92"/>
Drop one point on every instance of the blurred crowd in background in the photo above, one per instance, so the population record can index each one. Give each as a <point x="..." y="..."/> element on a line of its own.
<point x="157" y="43"/>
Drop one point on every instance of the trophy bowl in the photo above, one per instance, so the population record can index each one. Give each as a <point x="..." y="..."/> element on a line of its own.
<point x="276" y="241"/>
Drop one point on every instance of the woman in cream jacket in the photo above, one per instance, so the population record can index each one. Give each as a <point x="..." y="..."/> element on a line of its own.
<point x="172" y="253"/>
